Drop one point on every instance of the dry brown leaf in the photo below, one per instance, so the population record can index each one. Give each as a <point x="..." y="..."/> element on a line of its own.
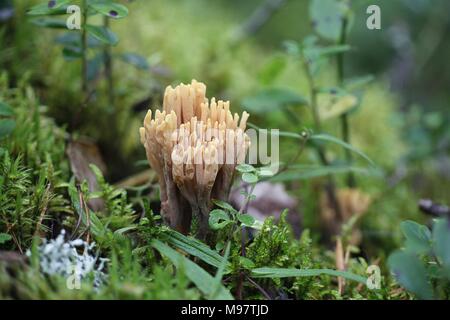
<point x="81" y="154"/>
<point x="352" y="202"/>
<point x="340" y="263"/>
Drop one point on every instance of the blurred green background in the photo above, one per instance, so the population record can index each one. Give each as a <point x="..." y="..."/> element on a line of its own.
<point x="402" y="122"/>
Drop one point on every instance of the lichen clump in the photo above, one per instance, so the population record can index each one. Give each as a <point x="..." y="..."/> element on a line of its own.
<point x="193" y="145"/>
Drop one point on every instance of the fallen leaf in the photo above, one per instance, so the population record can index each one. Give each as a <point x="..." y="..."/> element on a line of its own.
<point x="81" y="154"/>
<point x="271" y="200"/>
<point x="352" y="202"/>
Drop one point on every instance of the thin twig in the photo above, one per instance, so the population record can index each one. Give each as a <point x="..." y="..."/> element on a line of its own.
<point x="264" y="292"/>
<point x="345" y="127"/>
<point x="293" y="160"/>
<point x="84" y="66"/>
<point x="108" y="67"/>
<point x="243" y="208"/>
<point x="259" y="17"/>
<point x="329" y="187"/>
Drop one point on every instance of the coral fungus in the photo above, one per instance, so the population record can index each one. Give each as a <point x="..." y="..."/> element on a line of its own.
<point x="193" y="145"/>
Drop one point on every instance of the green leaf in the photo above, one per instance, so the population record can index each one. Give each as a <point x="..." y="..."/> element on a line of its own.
<point x="246" y="263"/>
<point x="218" y="219"/>
<point x="335" y="91"/>
<point x="5" y="109"/>
<point x="273" y="99"/>
<point x="72" y="39"/>
<point x="303" y="172"/>
<point x="125" y="229"/>
<point x="6" y="127"/>
<point x="441" y="240"/>
<point x="272" y="69"/>
<point x="292" y="48"/>
<point x="4" y="237"/>
<point x="53" y="23"/>
<point x="135" y="60"/>
<point x="281" y="133"/>
<point x="71" y="53"/>
<point x="246" y="219"/>
<point x="326" y="18"/>
<point x="411" y="273"/>
<point x="300" y="172"/>
<point x="315" y="52"/>
<point x="356" y="83"/>
<point x="245" y="168"/>
<point x="49" y="8"/>
<point x="286" y="273"/>
<point x="202" y="279"/>
<point x="96" y="226"/>
<point x="111" y="10"/>
<point x="94" y="66"/>
<point x="193" y="247"/>
<point x="328" y="138"/>
<point x="250" y="177"/>
<point x="224" y="205"/>
<point x="417" y="237"/>
<point x="220" y="272"/>
<point x="266" y="171"/>
<point x="103" y="34"/>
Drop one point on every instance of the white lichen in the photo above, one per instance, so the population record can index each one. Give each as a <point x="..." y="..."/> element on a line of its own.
<point x="61" y="257"/>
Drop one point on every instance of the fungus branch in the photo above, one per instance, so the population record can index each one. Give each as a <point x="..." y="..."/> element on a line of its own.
<point x="194" y="145"/>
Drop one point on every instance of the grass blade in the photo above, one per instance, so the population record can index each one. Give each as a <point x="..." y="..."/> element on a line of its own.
<point x="202" y="279"/>
<point x="286" y="273"/>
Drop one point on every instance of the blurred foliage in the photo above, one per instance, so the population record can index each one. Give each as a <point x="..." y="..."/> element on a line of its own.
<point x="398" y="117"/>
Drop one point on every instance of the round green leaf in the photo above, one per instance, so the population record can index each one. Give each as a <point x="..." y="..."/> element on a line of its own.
<point x="265" y="171"/>
<point x="249" y="177"/>
<point x="112" y="10"/>
<point x="71" y="53"/>
<point x="246" y="263"/>
<point x="245" y="168"/>
<point x="218" y="219"/>
<point x="49" y="8"/>
<point x="417" y="236"/>
<point x="411" y="273"/>
<point x="224" y="205"/>
<point x="246" y="219"/>
<point x="103" y="34"/>
<point x="441" y="240"/>
<point x="53" y="23"/>
<point x="327" y="18"/>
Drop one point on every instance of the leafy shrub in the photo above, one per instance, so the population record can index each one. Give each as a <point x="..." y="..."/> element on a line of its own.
<point x="422" y="266"/>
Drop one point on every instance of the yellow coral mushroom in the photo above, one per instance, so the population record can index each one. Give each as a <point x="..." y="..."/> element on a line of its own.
<point x="193" y="145"/>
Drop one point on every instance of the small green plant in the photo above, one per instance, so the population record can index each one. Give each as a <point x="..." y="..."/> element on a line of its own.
<point x="32" y="164"/>
<point x="331" y="21"/>
<point x="91" y="44"/>
<point x="107" y="225"/>
<point x="423" y="265"/>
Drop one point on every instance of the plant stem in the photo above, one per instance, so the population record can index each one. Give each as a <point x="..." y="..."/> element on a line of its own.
<point x="264" y="292"/>
<point x="330" y="186"/>
<point x="344" y="117"/>
<point x="108" y="67"/>
<point x="243" y="208"/>
<point x="84" y="67"/>
<point x="259" y="18"/>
